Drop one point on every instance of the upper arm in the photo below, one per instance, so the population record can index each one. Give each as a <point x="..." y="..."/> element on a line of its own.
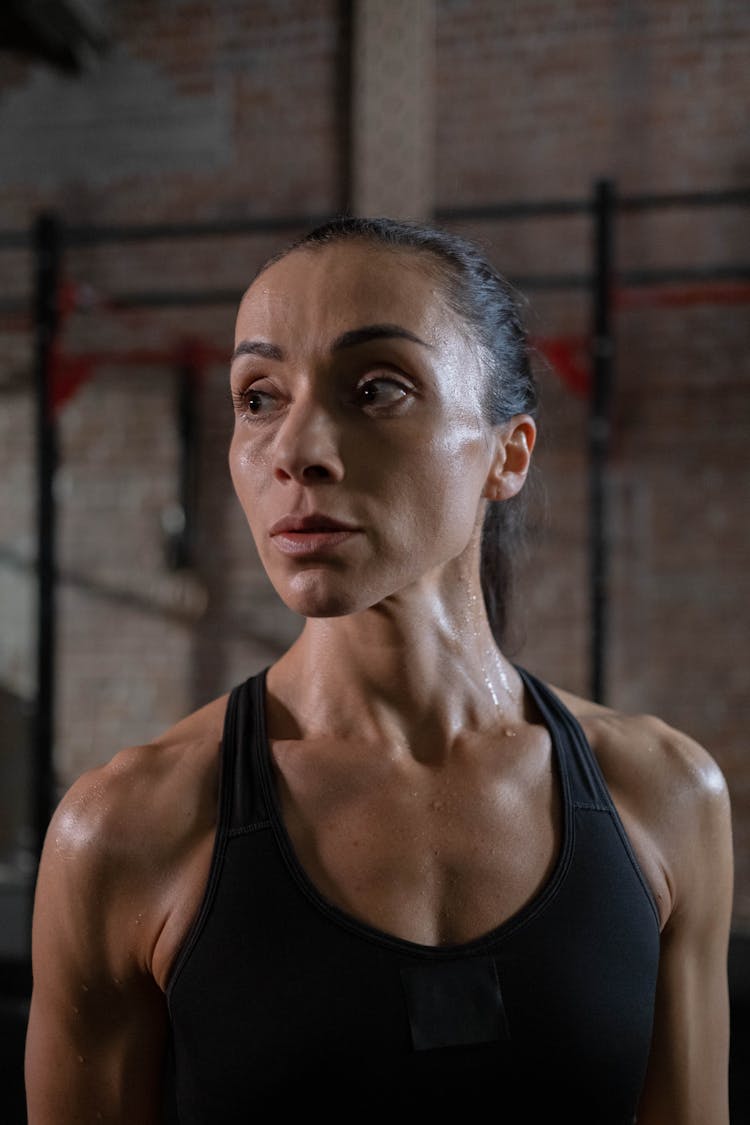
<point x="97" y="1022"/>
<point x="687" y="1078"/>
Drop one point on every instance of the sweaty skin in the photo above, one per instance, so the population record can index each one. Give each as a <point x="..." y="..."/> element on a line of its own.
<point x="402" y="739"/>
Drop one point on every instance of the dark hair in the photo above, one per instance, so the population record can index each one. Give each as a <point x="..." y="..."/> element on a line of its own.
<point x="488" y="304"/>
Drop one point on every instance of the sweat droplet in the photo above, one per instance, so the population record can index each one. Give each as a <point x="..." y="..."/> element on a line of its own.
<point x="510" y="733"/>
<point x="493" y="693"/>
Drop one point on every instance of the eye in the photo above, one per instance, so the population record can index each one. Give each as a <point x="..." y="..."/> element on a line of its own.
<point x="253" y="402"/>
<point x="381" y="392"/>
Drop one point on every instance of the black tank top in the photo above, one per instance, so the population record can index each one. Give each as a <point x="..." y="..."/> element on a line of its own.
<point x="280" y="1000"/>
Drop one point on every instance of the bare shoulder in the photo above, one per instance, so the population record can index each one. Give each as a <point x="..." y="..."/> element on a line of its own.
<point x="146" y="796"/>
<point x="643" y="752"/>
<point x="125" y="833"/>
<point x="669" y="790"/>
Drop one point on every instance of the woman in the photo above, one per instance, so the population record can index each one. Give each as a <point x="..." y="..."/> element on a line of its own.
<point x="394" y="871"/>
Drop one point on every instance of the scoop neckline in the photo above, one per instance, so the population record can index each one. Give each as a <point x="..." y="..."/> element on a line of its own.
<point x="522" y="917"/>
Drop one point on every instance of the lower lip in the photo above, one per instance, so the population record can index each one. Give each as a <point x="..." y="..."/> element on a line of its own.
<point x="309" y="542"/>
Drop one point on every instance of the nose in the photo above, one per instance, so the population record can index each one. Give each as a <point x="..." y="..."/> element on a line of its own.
<point x="307" y="446"/>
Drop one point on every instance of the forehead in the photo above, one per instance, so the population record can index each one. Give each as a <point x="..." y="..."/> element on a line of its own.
<point x="324" y="291"/>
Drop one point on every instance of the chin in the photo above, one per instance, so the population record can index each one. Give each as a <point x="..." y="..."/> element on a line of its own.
<point x="311" y="595"/>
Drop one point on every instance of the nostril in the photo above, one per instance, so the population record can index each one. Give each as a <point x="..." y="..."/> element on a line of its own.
<point x="317" y="472"/>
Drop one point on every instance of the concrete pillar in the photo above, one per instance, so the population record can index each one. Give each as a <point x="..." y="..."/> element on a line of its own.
<point x="393" y="108"/>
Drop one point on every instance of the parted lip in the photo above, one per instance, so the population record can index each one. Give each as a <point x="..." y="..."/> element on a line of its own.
<point x="316" y="521"/>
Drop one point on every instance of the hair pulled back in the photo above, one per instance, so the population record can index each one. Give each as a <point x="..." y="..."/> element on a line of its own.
<point x="489" y="307"/>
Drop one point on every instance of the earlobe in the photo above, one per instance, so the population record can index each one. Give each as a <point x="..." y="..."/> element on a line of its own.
<point x="514" y="445"/>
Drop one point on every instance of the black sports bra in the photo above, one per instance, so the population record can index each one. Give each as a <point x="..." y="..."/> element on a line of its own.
<point x="278" y="999"/>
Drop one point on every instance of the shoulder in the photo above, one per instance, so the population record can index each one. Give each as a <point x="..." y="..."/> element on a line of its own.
<point x="134" y="798"/>
<point x="670" y="793"/>
<point x="648" y="758"/>
<point x="123" y="832"/>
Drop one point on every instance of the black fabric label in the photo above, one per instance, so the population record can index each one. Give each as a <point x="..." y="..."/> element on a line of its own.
<point x="455" y="1003"/>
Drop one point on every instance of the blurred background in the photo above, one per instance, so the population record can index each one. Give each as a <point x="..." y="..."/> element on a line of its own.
<point x="153" y="154"/>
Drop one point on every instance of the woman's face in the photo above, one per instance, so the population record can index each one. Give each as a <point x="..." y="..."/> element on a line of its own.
<point x="357" y="403"/>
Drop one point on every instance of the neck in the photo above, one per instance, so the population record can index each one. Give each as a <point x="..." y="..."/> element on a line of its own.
<point x="419" y="667"/>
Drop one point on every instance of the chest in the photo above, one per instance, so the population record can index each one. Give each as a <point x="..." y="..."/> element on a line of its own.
<point x="433" y="853"/>
<point x="283" y="996"/>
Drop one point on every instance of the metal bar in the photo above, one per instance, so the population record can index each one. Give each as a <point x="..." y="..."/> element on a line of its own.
<point x="14" y="306"/>
<point x="599" y="431"/>
<point x="562" y="282"/>
<point x="47" y="245"/>
<point x="732" y="197"/>
<point x="680" y="275"/>
<point x="515" y="209"/>
<point x="563" y="208"/>
<point x="343" y="105"/>
<point x="89" y="236"/>
<point x="16" y="240"/>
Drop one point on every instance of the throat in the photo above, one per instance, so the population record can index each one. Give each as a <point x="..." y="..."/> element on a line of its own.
<point x="424" y="706"/>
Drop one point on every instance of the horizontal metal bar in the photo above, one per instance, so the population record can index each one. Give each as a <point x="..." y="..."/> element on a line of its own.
<point x="89" y="236"/>
<point x="551" y="281"/>
<point x="15" y="306"/>
<point x="551" y="208"/>
<point x="738" y="197"/>
<point x="15" y="240"/>
<point x="563" y="208"/>
<point x="514" y="209"/>
<point x="683" y="275"/>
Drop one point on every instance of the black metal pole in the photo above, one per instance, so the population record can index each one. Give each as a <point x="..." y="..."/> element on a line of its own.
<point x="47" y="245"/>
<point x="599" y="430"/>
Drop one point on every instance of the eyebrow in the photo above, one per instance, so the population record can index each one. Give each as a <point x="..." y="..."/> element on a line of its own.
<point x="257" y="347"/>
<point x="374" y="332"/>
<point x="351" y="339"/>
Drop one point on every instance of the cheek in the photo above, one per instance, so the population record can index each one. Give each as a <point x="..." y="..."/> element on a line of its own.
<point x="246" y="464"/>
<point x="238" y="461"/>
<point x="438" y="493"/>
<point x="248" y="477"/>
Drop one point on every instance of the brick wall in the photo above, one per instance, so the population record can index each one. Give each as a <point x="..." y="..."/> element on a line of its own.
<point x="233" y="108"/>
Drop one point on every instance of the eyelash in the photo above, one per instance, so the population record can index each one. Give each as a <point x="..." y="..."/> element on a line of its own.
<point x="242" y="398"/>
<point x="365" y="386"/>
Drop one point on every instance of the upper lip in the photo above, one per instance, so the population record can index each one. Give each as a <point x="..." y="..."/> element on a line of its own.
<point x="316" y="521"/>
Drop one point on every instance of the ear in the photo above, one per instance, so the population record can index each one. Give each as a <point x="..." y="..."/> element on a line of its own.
<point x="514" y="443"/>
